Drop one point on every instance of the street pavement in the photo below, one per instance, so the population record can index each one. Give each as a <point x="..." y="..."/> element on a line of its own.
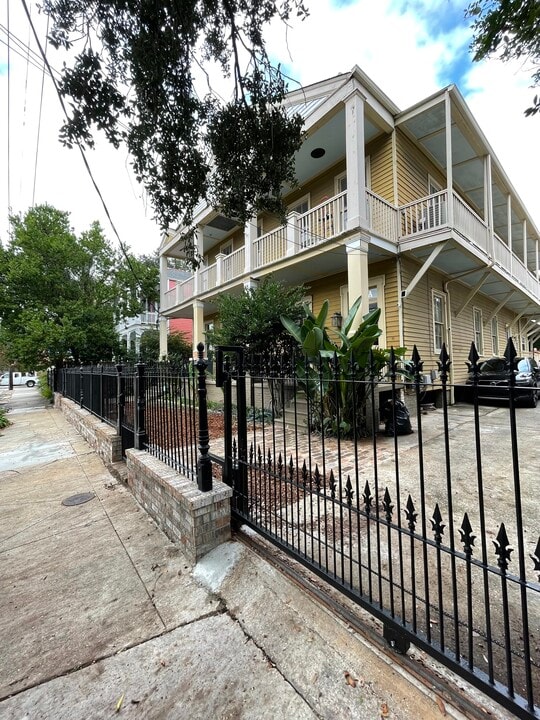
<point x="102" y="616"/>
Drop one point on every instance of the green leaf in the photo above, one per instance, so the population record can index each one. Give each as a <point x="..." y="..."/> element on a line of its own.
<point x="313" y="342"/>
<point x="347" y="324"/>
<point x="323" y="314"/>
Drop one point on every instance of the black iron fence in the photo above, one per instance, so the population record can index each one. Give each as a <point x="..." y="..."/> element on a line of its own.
<point x="427" y="518"/>
<point x="159" y="407"/>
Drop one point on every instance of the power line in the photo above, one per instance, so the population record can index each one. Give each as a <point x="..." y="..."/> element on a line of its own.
<point x="25" y="101"/>
<point x="39" y="124"/>
<point x="23" y="49"/>
<point x="79" y="145"/>
<point x="8" y="116"/>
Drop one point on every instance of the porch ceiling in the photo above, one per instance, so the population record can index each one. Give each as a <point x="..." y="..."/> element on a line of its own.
<point x="468" y="269"/>
<point x="427" y="127"/>
<point x="329" y="136"/>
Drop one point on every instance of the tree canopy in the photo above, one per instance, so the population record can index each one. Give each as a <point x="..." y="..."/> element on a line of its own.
<point x="62" y="295"/>
<point x="511" y="29"/>
<point x="135" y="79"/>
<point x="253" y="318"/>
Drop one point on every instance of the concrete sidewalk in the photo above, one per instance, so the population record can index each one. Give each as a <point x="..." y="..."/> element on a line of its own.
<point x="101" y="615"/>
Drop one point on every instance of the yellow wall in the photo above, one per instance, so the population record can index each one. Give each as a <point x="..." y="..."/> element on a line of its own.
<point x="413" y="168"/>
<point x="382" y="180"/>
<point x="418" y="320"/>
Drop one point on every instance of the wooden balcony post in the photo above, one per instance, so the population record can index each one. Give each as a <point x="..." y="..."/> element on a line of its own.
<point x="250" y="235"/>
<point x="220" y="257"/>
<point x="358" y="276"/>
<point x="199" y="251"/>
<point x="356" y="161"/>
<point x="293" y="242"/>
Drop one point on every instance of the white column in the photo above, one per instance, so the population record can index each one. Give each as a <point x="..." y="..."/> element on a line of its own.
<point x="163" y="280"/>
<point x="293" y="241"/>
<point x="488" y="203"/>
<point x="356" y="161"/>
<point x="358" y="277"/>
<point x="250" y="235"/>
<point x="163" y="287"/>
<point x="219" y="268"/>
<point x="537" y="260"/>
<point x="449" y="174"/>
<point x="199" y="251"/>
<point x="509" y="230"/>
<point x="525" y="243"/>
<point x="198" y="325"/>
<point x="163" y="335"/>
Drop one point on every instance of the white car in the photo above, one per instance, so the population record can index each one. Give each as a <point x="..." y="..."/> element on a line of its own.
<point x="19" y="378"/>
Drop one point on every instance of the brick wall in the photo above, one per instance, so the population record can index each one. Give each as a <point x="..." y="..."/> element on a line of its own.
<point x="198" y="521"/>
<point x="98" y="434"/>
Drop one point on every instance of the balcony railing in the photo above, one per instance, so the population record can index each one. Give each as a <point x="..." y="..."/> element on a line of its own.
<point x="329" y="219"/>
<point x="382" y="217"/>
<point x="424" y="215"/>
<point x="233" y="265"/>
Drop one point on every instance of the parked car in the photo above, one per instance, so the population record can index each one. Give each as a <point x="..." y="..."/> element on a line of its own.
<point x="20" y="378"/>
<point x="493" y="380"/>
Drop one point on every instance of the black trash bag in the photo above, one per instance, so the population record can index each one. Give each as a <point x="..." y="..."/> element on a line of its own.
<point x="396" y="412"/>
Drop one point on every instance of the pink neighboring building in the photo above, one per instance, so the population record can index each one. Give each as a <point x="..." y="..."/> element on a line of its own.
<point x="183" y="325"/>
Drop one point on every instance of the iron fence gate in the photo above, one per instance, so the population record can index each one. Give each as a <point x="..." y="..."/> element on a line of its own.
<point x="435" y="536"/>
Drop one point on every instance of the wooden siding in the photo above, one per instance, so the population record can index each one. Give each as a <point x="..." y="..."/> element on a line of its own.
<point x="382" y="182"/>
<point x="418" y="320"/>
<point x="238" y="241"/>
<point x="388" y="269"/>
<point x="413" y="168"/>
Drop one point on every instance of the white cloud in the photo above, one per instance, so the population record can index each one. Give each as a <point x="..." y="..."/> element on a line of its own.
<point x="500" y="93"/>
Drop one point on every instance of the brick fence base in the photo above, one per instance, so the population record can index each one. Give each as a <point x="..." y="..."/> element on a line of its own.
<point x="100" y="436"/>
<point x="198" y="521"/>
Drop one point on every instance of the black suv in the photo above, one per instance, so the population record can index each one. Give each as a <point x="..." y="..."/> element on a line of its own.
<point x="493" y="380"/>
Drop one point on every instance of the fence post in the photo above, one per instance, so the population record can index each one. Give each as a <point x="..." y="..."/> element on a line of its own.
<point x="119" y="399"/>
<point x="241" y="482"/>
<point x="204" y="464"/>
<point x="224" y="367"/>
<point x="139" y="382"/>
<point x="101" y="390"/>
<point x="81" y="388"/>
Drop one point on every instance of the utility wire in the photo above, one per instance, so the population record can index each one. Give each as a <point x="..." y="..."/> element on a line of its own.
<point x="22" y="49"/>
<point x="39" y="123"/>
<point x="25" y="104"/>
<point x="79" y="145"/>
<point x="8" y="117"/>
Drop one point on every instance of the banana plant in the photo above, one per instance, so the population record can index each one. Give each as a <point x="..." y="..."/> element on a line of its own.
<point x="328" y="367"/>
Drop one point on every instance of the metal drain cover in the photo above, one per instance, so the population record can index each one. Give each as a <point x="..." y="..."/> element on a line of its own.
<point x="78" y="499"/>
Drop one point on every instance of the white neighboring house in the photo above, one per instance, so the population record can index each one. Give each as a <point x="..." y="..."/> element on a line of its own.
<point x="130" y="330"/>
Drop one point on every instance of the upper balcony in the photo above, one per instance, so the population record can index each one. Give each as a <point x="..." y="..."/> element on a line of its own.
<point x="408" y="228"/>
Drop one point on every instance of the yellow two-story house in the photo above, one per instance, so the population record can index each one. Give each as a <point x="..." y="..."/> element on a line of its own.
<point x="409" y="209"/>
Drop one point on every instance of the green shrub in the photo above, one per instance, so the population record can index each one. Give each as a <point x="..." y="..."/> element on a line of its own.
<point x="43" y="386"/>
<point x="4" y="422"/>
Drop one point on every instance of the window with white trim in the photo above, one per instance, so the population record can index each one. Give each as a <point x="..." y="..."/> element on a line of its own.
<point x="226" y="248"/>
<point x="439" y="322"/>
<point x="478" y="330"/>
<point x="376" y="300"/>
<point x="495" y="335"/>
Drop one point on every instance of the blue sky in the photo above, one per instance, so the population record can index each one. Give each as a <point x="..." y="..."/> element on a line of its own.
<point x="409" y="48"/>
